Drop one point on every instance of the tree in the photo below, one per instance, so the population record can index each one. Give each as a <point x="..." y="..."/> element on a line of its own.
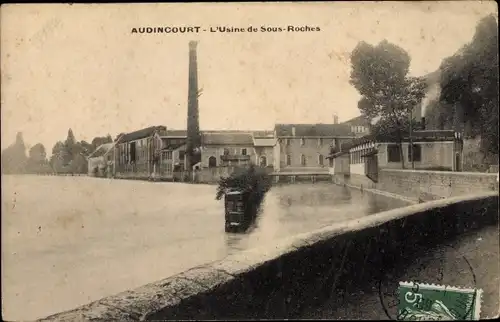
<point x="469" y="83"/>
<point x="99" y="140"/>
<point x="79" y="164"/>
<point x="37" y="160"/>
<point x="14" y="157"/>
<point x="37" y="153"/>
<point x="86" y="148"/>
<point x="380" y="74"/>
<point x="58" y="156"/>
<point x="252" y="180"/>
<point x="70" y="148"/>
<point x="439" y="115"/>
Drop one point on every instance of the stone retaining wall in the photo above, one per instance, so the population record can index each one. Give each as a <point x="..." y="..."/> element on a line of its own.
<point x="430" y="185"/>
<point x="282" y="280"/>
<point x="423" y="185"/>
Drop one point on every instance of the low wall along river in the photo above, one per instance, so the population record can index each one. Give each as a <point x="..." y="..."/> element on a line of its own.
<point x="282" y="280"/>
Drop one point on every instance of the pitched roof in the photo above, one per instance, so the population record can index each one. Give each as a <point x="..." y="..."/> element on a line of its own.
<point x="264" y="141"/>
<point x="313" y="130"/>
<point x="175" y="146"/>
<point x="101" y="150"/>
<point x="181" y="133"/>
<point x="355" y="142"/>
<point x="222" y="138"/>
<point x="263" y="134"/>
<point x="358" y="120"/>
<point x="143" y="133"/>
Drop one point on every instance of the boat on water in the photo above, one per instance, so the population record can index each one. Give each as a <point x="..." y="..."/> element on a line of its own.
<point x="240" y="210"/>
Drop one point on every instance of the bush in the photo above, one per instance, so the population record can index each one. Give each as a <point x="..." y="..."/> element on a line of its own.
<point x="254" y="182"/>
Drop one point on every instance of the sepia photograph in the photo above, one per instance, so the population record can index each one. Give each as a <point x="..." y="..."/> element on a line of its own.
<point x="249" y="161"/>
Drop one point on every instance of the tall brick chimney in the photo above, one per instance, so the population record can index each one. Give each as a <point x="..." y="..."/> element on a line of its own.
<point x="335" y="119"/>
<point x="193" y="123"/>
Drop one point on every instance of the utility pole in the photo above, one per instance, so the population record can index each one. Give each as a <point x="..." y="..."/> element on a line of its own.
<point x="114" y="158"/>
<point x="114" y="154"/>
<point x="411" y="140"/>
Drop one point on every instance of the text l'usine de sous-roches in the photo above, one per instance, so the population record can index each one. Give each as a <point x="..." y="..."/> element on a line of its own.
<point x="221" y="29"/>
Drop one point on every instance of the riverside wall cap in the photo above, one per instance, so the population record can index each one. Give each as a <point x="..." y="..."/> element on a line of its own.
<point x="453" y="173"/>
<point x="138" y="304"/>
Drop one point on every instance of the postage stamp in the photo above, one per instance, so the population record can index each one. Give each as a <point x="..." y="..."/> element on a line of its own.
<point x="430" y="302"/>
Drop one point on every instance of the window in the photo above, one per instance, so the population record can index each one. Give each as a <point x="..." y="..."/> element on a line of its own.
<point x="287" y="142"/>
<point x="288" y="159"/>
<point x="320" y="142"/>
<point x="243" y="151"/>
<point x="302" y="141"/>
<point x="182" y="155"/>
<point x="320" y="159"/>
<point x="263" y="161"/>
<point x="330" y="161"/>
<point x="226" y="151"/>
<point x="302" y="159"/>
<point x="212" y="162"/>
<point x="417" y="150"/>
<point x="393" y="154"/>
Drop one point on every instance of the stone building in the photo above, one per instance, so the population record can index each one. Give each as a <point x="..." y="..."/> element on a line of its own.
<point x="221" y="148"/>
<point x="263" y="143"/>
<point x="138" y="152"/>
<point x="304" y="147"/>
<point x="359" y="125"/>
<point x="173" y="153"/>
<point x="360" y="159"/>
<point x="100" y="161"/>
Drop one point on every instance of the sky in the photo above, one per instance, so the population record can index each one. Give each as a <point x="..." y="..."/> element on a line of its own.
<point x="80" y="67"/>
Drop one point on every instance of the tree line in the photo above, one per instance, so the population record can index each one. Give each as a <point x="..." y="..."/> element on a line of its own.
<point x="469" y="90"/>
<point x="468" y="81"/>
<point x="68" y="156"/>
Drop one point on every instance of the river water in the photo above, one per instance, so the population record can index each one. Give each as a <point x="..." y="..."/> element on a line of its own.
<point x="67" y="241"/>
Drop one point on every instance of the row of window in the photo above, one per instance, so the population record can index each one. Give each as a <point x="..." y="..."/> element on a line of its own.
<point x="212" y="161"/>
<point x="319" y="141"/>
<point x="303" y="160"/>
<point x="356" y="157"/>
<point x="358" y="129"/>
<point x="168" y="155"/>
<point x="394" y="153"/>
<point x="243" y="151"/>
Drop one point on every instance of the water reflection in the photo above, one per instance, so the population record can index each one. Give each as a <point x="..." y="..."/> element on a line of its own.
<point x="293" y="209"/>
